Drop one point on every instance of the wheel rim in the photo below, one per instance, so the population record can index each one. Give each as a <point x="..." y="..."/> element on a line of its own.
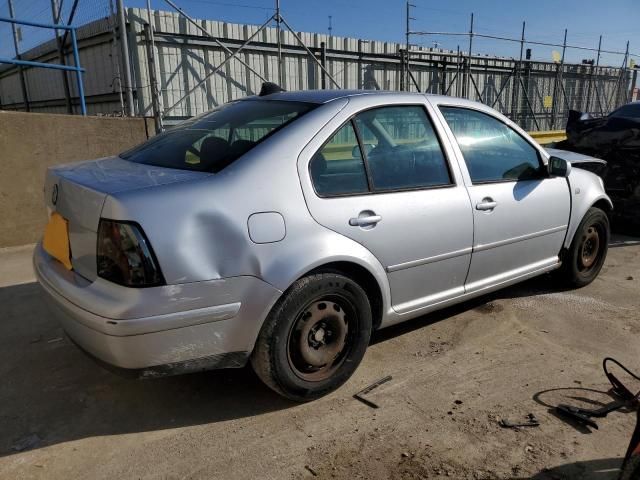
<point x="589" y="249"/>
<point x="321" y="337"/>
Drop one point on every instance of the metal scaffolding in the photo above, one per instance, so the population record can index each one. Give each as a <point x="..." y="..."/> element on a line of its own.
<point x="178" y="66"/>
<point x="76" y="68"/>
<point x="277" y="17"/>
<point x="520" y="96"/>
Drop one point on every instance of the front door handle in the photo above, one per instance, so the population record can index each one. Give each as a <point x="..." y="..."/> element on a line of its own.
<point x="487" y="203"/>
<point x="365" y="219"/>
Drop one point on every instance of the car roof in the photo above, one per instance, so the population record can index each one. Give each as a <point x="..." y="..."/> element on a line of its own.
<point x="324" y="96"/>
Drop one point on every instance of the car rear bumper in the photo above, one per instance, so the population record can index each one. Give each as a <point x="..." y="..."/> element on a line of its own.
<point x="167" y="329"/>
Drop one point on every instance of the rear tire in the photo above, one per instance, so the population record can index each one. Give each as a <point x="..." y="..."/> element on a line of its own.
<point x="584" y="259"/>
<point x="314" y="337"/>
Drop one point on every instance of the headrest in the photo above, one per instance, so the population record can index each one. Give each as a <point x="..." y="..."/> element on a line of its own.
<point x="213" y="151"/>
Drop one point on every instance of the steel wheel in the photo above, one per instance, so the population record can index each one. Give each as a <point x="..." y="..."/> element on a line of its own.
<point x="321" y="337"/>
<point x="583" y="260"/>
<point x="315" y="336"/>
<point x="589" y="248"/>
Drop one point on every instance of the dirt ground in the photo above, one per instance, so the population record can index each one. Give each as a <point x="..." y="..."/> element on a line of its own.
<point x="455" y="374"/>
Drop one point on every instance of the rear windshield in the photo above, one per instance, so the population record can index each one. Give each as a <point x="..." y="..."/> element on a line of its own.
<point x="631" y="110"/>
<point x="214" y="140"/>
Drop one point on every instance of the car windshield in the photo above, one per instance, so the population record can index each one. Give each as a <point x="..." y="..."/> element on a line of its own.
<point x="212" y="141"/>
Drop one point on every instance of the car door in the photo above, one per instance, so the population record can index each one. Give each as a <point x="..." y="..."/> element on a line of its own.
<point x="520" y="213"/>
<point x="383" y="179"/>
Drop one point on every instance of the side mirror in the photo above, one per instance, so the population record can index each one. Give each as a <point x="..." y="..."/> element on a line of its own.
<point x="559" y="167"/>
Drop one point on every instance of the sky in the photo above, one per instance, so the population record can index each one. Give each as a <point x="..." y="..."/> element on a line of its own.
<point x="616" y="20"/>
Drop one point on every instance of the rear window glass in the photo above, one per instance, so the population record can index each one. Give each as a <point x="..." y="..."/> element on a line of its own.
<point x="210" y="142"/>
<point x="631" y="110"/>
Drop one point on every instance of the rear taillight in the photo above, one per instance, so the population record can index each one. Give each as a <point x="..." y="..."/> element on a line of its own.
<point x="124" y="255"/>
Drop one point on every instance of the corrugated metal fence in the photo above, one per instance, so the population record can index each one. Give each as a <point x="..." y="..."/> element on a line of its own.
<point x="536" y="94"/>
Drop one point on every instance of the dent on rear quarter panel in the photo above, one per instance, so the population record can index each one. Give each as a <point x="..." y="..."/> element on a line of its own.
<point x="198" y="229"/>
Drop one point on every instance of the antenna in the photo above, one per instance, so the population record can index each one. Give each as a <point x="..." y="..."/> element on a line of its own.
<point x="330" y="25"/>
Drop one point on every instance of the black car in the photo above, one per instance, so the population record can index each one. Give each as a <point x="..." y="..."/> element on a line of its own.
<point x="616" y="139"/>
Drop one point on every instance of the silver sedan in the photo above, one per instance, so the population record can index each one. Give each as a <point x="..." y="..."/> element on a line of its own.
<point x="282" y="229"/>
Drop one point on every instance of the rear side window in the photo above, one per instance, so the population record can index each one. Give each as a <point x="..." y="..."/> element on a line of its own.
<point x="382" y="149"/>
<point x="338" y="167"/>
<point x="210" y="142"/>
<point x="493" y="151"/>
<point x="402" y="148"/>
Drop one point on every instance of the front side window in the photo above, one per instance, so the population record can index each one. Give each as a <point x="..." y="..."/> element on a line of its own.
<point x="493" y="151"/>
<point x="402" y="148"/>
<point x="210" y="142"/>
<point x="338" y="167"/>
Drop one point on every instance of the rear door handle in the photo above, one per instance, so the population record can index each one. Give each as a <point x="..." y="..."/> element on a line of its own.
<point x="364" y="220"/>
<point x="486" y="204"/>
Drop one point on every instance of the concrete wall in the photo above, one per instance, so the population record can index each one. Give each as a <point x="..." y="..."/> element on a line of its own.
<point x="30" y="142"/>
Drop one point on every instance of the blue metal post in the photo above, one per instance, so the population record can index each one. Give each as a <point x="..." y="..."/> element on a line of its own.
<point x="76" y="60"/>
<point x="28" y="63"/>
<point x="76" y="68"/>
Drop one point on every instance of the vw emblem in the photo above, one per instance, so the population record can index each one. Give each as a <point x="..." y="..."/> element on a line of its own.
<point x="54" y="194"/>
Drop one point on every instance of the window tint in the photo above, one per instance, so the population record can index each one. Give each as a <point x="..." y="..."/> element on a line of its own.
<point x="210" y="142"/>
<point x="338" y="167"/>
<point x="402" y="148"/>
<point x="492" y="150"/>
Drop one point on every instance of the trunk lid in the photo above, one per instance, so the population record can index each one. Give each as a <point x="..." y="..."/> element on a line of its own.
<point x="77" y="191"/>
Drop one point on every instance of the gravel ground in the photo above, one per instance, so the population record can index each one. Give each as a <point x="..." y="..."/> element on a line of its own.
<point x="455" y="374"/>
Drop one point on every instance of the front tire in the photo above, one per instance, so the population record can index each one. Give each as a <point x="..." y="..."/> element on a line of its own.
<point x="584" y="259"/>
<point x="314" y="337"/>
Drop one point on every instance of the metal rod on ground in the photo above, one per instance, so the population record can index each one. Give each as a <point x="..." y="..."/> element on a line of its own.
<point x="55" y="14"/>
<point x="23" y="83"/>
<point x="299" y="40"/>
<point x="323" y="61"/>
<point x="76" y="60"/>
<point x="279" y="31"/>
<point x="155" y="102"/>
<point x="222" y="64"/>
<point x="468" y="78"/>
<point x="126" y="59"/>
<point x="218" y="42"/>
